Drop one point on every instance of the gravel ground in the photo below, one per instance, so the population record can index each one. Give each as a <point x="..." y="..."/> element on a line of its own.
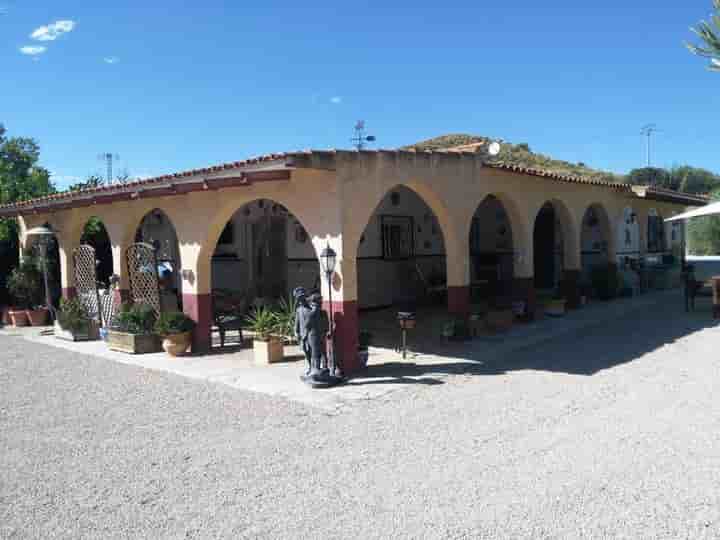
<point x="614" y="433"/>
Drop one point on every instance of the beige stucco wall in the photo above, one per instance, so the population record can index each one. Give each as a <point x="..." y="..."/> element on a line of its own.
<point x="336" y="206"/>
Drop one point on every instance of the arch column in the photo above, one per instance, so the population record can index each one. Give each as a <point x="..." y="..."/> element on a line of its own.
<point x="67" y="243"/>
<point x="523" y="289"/>
<point x="569" y="284"/>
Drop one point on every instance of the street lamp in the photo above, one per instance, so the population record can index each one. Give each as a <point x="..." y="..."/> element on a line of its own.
<point x="44" y="237"/>
<point x="328" y="260"/>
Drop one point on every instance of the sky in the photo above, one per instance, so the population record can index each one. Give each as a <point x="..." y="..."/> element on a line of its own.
<point x="170" y="86"/>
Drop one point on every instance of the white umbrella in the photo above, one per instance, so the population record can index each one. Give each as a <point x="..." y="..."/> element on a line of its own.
<point x="709" y="210"/>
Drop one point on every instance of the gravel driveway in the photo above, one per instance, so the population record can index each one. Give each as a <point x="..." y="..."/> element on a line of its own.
<point x="612" y="433"/>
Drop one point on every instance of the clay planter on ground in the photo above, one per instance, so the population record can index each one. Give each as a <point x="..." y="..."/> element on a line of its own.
<point x="133" y="343"/>
<point x="38" y="317"/>
<point x="19" y="317"/>
<point x="89" y="333"/>
<point x="177" y="344"/>
<point x="268" y="351"/>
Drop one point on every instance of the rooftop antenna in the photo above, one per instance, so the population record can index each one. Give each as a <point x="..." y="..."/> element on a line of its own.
<point x="108" y="158"/>
<point x="360" y="139"/>
<point x="648" y="131"/>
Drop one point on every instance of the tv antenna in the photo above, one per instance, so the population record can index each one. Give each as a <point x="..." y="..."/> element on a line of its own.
<point x="647" y="132"/>
<point x="360" y="139"/>
<point x="108" y="158"/>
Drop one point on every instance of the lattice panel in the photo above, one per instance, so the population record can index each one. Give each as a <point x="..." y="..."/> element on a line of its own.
<point x="86" y="281"/>
<point x="143" y="274"/>
<point x="109" y="308"/>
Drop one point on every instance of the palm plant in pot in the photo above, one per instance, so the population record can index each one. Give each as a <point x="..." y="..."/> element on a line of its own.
<point x="555" y="306"/>
<point x="133" y="330"/>
<point x="73" y="322"/>
<point x="176" y="329"/>
<point x="267" y="340"/>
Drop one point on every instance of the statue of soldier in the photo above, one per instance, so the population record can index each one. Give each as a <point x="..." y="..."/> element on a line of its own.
<point x="311" y="327"/>
<point x="302" y="314"/>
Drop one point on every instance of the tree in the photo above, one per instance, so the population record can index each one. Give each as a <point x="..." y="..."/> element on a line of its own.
<point x="703" y="233"/>
<point x="649" y="176"/>
<point x="92" y="181"/>
<point x="20" y="178"/>
<point x="708" y="32"/>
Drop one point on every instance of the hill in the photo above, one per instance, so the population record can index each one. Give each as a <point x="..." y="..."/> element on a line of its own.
<point x="518" y="154"/>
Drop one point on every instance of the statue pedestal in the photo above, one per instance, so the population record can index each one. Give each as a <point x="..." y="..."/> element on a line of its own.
<point x="322" y="381"/>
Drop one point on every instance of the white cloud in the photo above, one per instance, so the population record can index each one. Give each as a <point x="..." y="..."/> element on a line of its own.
<point x="32" y="50"/>
<point x="53" y="31"/>
<point x="336" y="100"/>
<point x="111" y="60"/>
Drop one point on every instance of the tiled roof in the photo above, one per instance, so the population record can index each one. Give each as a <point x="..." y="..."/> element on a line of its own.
<point x="286" y="160"/>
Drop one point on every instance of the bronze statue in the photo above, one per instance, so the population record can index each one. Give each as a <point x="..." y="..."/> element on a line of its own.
<point x="311" y="329"/>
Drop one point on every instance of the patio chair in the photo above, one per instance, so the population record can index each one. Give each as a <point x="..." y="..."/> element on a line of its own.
<point x="228" y="313"/>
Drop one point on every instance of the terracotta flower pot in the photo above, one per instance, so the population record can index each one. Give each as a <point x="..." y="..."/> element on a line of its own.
<point x="38" y="317"/>
<point x="19" y="317"/>
<point x="177" y="344"/>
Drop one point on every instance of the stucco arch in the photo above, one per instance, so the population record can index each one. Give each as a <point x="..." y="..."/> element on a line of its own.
<point x="518" y="219"/>
<point x="570" y="231"/>
<point x="455" y="245"/>
<point x="311" y="221"/>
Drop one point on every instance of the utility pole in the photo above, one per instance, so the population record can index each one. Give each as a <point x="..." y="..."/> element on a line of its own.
<point x="648" y="131"/>
<point x="108" y="158"/>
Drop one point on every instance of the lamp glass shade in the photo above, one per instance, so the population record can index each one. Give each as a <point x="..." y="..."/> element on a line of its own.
<point x="328" y="259"/>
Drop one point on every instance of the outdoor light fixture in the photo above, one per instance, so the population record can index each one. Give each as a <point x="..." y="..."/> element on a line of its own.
<point x="328" y="259"/>
<point x="44" y="237"/>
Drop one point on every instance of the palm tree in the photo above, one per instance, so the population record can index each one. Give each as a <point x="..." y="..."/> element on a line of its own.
<point x="708" y="32"/>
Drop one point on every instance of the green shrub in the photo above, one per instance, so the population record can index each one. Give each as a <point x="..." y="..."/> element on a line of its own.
<point x="174" y="322"/>
<point x="72" y="315"/>
<point x="135" y="319"/>
<point x="25" y="284"/>
<point x="263" y="322"/>
<point x="286" y="314"/>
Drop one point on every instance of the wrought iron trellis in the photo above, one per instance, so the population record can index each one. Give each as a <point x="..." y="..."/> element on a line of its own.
<point x="86" y="281"/>
<point x="143" y="273"/>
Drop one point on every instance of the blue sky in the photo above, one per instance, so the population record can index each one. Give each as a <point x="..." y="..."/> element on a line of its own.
<point x="173" y="85"/>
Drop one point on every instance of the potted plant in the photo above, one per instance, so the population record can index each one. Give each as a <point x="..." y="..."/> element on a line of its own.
<point x="133" y="330"/>
<point x="25" y="284"/>
<point x="555" y="306"/>
<point x="20" y="287"/>
<point x="73" y="323"/>
<point x="267" y="340"/>
<point x="364" y="341"/>
<point x="286" y="313"/>
<point x="176" y="329"/>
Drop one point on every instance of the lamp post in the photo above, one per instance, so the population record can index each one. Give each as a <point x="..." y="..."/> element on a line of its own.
<point x="44" y="236"/>
<point x="328" y="260"/>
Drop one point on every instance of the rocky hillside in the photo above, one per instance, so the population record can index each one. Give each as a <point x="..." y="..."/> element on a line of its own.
<point x="518" y="154"/>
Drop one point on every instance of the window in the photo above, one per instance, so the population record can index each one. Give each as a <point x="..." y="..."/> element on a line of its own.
<point x="228" y="235"/>
<point x="398" y="241"/>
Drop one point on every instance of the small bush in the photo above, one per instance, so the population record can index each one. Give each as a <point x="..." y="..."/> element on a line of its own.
<point x="175" y="322"/>
<point x="135" y="319"/>
<point x="72" y="315"/>
<point x="264" y="323"/>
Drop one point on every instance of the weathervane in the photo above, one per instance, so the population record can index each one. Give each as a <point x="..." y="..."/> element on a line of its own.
<point x="360" y="139"/>
<point x="108" y="158"/>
